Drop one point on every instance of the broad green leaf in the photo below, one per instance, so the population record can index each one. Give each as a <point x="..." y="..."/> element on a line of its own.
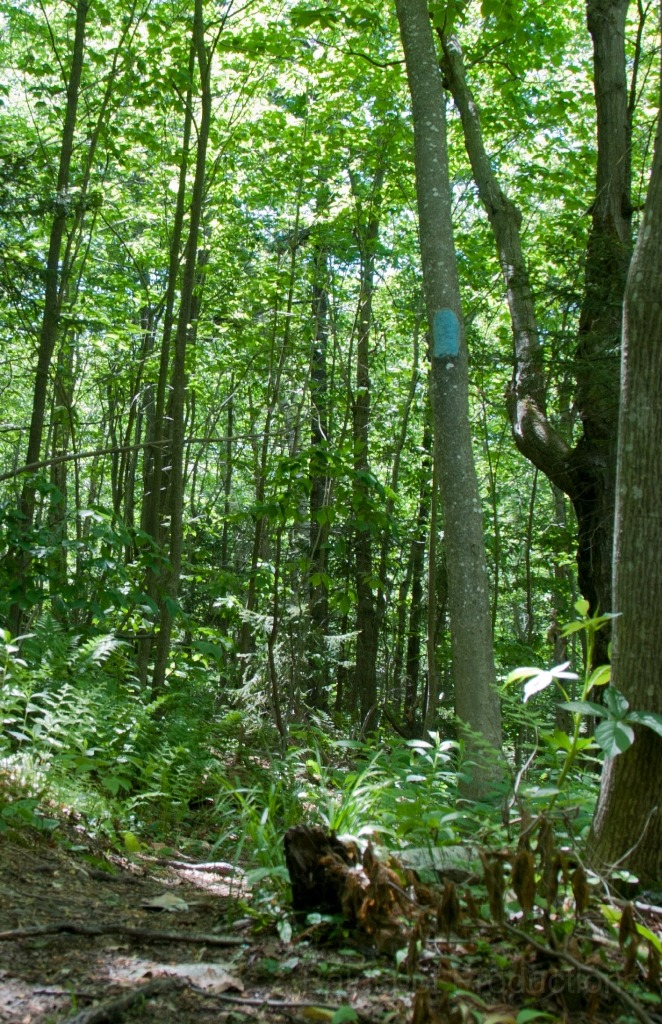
<point x="558" y="740"/>
<point x="572" y="627"/>
<point x="648" y="718"/>
<point x="582" y="606"/>
<point x="600" y="676"/>
<point x="616" y="702"/>
<point x="344" y="1013"/>
<point x="521" y="673"/>
<point x="131" y="843"/>
<point x="614" y="737"/>
<point x="585" y="707"/>
<point x="646" y="933"/>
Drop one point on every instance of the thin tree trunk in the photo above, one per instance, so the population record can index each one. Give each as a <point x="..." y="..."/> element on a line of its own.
<point x="476" y="702"/>
<point x="430" y="711"/>
<point x="271" y="645"/>
<point x="153" y="499"/>
<point x="176" y="496"/>
<point x="629" y="812"/>
<point x="364" y="688"/>
<point x="398" y="658"/>
<point x="418" y="544"/>
<point x="530" y="622"/>
<point x="319" y="526"/>
<point x="227" y="481"/>
<point x="51" y="315"/>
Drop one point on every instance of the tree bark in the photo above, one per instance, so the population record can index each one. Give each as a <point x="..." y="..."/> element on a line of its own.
<point x="476" y="701"/>
<point x="153" y="498"/>
<point x="593" y="460"/>
<point x="319" y="530"/>
<point x="430" y="710"/>
<point x="176" y="495"/>
<point x="629" y="811"/>
<point x="367" y="615"/>
<point x="52" y="299"/>
<point x="587" y="472"/>
<point x="418" y="544"/>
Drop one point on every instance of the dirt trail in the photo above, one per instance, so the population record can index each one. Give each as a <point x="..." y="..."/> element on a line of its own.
<point x="54" y="977"/>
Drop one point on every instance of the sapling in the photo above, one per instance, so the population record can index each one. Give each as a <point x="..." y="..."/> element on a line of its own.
<point x="615" y="734"/>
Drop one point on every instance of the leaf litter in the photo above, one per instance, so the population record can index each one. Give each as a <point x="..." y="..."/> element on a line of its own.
<point x="512" y="936"/>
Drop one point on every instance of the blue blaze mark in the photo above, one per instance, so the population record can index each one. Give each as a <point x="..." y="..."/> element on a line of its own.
<point x="446" y="333"/>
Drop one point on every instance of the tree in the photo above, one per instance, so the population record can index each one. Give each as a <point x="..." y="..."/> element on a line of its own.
<point x="585" y="472"/>
<point x="476" y="702"/>
<point x="627" y="827"/>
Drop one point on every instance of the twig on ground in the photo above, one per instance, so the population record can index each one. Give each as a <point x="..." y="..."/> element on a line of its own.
<point x="150" y="934"/>
<point x="629" y="1001"/>
<point x="216" y="867"/>
<point x="113" y="1009"/>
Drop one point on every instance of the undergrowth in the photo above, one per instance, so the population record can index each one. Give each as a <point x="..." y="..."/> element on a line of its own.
<point x="80" y="734"/>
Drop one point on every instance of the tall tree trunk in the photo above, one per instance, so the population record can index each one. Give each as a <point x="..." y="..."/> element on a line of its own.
<point x="476" y="701"/>
<point x="593" y="461"/>
<point x="629" y="812"/>
<point x="319" y="526"/>
<point x="153" y="499"/>
<point x="227" y="479"/>
<point x="586" y="473"/>
<point x="367" y="616"/>
<point x="430" y="710"/>
<point x="53" y="294"/>
<point x="418" y="544"/>
<point x="176" y="495"/>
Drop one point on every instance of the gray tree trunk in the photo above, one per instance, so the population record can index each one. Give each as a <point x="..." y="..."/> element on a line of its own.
<point x="476" y="701"/>
<point x="629" y="811"/>
<point x="176" y="494"/>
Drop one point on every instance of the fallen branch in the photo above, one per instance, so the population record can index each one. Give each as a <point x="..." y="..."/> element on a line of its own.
<point x="216" y="867"/>
<point x="113" y="1009"/>
<point x="629" y="1001"/>
<point x="272" y="1004"/>
<point x="150" y="934"/>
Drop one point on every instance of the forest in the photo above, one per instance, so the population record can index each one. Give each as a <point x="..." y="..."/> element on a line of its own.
<point x="330" y="489"/>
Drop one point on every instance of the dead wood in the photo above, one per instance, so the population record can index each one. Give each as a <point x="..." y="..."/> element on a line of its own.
<point x="113" y="1009"/>
<point x="150" y="934"/>
<point x="315" y="887"/>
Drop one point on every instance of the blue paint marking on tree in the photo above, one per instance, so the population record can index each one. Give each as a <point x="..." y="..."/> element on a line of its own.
<point x="446" y="333"/>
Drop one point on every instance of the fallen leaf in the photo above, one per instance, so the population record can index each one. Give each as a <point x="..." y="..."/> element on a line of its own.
<point x="166" y="902"/>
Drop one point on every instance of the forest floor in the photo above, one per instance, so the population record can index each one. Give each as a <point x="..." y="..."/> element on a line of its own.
<point x="71" y="950"/>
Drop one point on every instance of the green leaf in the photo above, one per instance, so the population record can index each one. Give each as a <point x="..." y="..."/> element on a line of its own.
<point x="558" y="740"/>
<point x="614" y="737"/>
<point x="521" y="673"/>
<point x="616" y="702"/>
<point x="524" y="1016"/>
<point x="131" y="843"/>
<point x="648" y="718"/>
<point x="582" y="606"/>
<point x="600" y="676"/>
<point x="585" y="707"/>
<point x="572" y="627"/>
<point x="651" y="937"/>
<point x="253" y="877"/>
<point x="344" y="1013"/>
